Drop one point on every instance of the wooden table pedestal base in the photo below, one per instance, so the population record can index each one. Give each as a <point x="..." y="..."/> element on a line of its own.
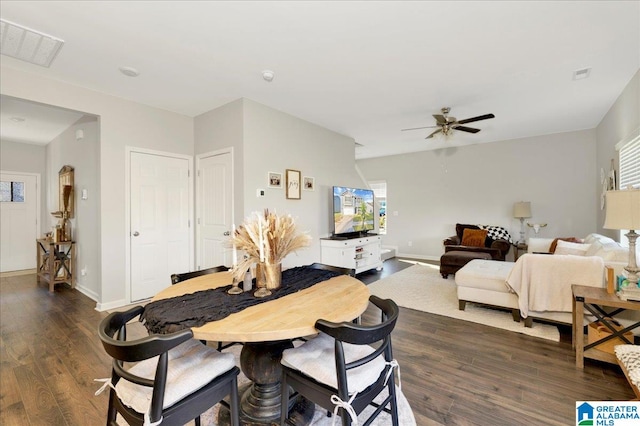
<point x="260" y="400"/>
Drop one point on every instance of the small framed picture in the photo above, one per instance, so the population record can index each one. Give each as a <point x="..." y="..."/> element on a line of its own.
<point x="308" y="183"/>
<point x="293" y="184"/>
<point x="274" y="180"/>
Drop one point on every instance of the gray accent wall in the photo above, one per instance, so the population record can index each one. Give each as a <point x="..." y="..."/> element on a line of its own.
<point x="84" y="156"/>
<point x="431" y="191"/>
<point x="267" y="140"/>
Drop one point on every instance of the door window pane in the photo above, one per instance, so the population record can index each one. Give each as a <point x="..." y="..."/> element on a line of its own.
<point x="12" y="192"/>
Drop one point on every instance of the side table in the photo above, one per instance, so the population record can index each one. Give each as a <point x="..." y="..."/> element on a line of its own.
<point x="517" y="248"/>
<point x="594" y="299"/>
<point x="56" y="262"/>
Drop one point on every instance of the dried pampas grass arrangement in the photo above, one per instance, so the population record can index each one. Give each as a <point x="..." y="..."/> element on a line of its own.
<point x="266" y="238"/>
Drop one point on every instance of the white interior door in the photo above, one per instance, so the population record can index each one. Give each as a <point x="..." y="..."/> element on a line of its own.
<point x="19" y="209"/>
<point x="214" y="206"/>
<point x="159" y="235"/>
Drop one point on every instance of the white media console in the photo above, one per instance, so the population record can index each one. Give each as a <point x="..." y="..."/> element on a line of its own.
<point x="359" y="253"/>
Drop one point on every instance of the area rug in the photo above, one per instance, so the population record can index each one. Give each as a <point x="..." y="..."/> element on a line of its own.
<point x="421" y="287"/>
<point x="405" y="415"/>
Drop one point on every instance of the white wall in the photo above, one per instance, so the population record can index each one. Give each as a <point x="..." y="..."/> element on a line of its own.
<point x="434" y="190"/>
<point x="275" y="141"/>
<point x="622" y="119"/>
<point x="218" y="129"/>
<point x="27" y="158"/>
<point x="122" y="123"/>
<point x="83" y="156"/>
<point x="266" y="140"/>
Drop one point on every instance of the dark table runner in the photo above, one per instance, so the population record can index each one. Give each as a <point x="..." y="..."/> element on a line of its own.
<point x="196" y="309"/>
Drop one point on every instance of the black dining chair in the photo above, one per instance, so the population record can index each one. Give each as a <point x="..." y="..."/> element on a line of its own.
<point x="340" y="370"/>
<point x="176" y="278"/>
<point x="345" y="271"/>
<point x="174" y="379"/>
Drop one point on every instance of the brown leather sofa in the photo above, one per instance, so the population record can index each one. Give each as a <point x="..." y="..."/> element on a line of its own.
<point x="456" y="255"/>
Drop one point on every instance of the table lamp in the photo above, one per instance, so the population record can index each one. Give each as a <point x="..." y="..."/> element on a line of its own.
<point x="522" y="210"/>
<point x="623" y="212"/>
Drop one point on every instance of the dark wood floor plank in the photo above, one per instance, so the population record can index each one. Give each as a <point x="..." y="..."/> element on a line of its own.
<point x="14" y="415"/>
<point x="76" y="406"/>
<point x="453" y="372"/>
<point x="9" y="387"/>
<point x="39" y="402"/>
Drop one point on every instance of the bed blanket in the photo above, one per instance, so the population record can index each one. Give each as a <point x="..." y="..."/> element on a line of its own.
<point x="543" y="282"/>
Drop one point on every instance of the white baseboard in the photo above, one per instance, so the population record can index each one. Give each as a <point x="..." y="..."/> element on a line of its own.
<point x="89" y="293"/>
<point x="101" y="307"/>
<point x="418" y="256"/>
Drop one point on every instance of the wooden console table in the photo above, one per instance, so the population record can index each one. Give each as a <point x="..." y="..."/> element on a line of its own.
<point x="56" y="262"/>
<point x="594" y="299"/>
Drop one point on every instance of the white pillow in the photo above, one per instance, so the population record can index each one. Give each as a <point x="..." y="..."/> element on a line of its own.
<point x="577" y="249"/>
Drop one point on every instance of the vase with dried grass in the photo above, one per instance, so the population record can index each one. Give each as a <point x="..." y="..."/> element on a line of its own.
<point x="266" y="240"/>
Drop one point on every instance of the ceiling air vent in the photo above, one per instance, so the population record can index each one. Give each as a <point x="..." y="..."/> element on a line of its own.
<point x="28" y="45"/>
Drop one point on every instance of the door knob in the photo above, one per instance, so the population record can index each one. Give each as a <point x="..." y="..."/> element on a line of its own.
<point x="226" y="233"/>
<point x="136" y="233"/>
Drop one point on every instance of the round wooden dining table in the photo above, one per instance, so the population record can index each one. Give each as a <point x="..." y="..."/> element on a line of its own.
<point x="266" y="330"/>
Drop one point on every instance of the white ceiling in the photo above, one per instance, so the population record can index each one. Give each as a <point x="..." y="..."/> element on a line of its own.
<point x="42" y="123"/>
<point x="362" y="69"/>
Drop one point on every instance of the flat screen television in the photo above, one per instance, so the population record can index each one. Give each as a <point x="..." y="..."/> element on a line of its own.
<point x="352" y="211"/>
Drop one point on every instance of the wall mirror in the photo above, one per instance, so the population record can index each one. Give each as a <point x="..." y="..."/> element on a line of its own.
<point x="65" y="187"/>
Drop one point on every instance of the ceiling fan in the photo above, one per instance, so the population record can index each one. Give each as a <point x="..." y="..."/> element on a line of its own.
<point x="447" y="124"/>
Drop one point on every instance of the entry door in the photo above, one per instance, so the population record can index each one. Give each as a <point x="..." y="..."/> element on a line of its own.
<point x="159" y="235"/>
<point x="18" y="221"/>
<point x="214" y="206"/>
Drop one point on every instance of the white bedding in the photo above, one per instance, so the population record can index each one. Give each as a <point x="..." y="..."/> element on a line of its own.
<point x="543" y="282"/>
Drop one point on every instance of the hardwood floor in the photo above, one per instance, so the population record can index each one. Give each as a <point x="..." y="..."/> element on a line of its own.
<point x="453" y="372"/>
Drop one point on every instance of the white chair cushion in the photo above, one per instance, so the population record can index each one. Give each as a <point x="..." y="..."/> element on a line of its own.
<point x="629" y="356"/>
<point x="191" y="366"/>
<point x="316" y="358"/>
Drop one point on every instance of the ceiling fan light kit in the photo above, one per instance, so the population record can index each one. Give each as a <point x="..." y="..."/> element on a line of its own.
<point x="447" y="124"/>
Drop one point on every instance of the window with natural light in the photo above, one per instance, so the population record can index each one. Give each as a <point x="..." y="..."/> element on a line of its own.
<point x="12" y="192"/>
<point x="380" y="192"/>
<point x="629" y="170"/>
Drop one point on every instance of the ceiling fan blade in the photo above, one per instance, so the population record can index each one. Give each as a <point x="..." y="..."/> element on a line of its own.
<point x="440" y="119"/>
<point x="478" y="118"/>
<point x="433" y="134"/>
<point x="467" y="129"/>
<point x="418" y="128"/>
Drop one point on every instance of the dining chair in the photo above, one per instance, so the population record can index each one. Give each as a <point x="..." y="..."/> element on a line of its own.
<point x="346" y="271"/>
<point x="174" y="379"/>
<point x="339" y="369"/>
<point x="176" y="278"/>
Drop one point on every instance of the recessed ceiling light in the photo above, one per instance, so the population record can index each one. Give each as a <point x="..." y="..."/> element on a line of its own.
<point x="268" y="75"/>
<point x="129" y="71"/>
<point x="18" y="119"/>
<point x="582" y="73"/>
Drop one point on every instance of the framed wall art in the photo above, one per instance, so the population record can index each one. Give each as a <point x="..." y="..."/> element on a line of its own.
<point x="293" y="184"/>
<point x="274" y="180"/>
<point x="308" y="183"/>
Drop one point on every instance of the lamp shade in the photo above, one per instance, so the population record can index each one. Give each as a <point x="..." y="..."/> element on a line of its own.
<point x="522" y="209"/>
<point x="623" y="209"/>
